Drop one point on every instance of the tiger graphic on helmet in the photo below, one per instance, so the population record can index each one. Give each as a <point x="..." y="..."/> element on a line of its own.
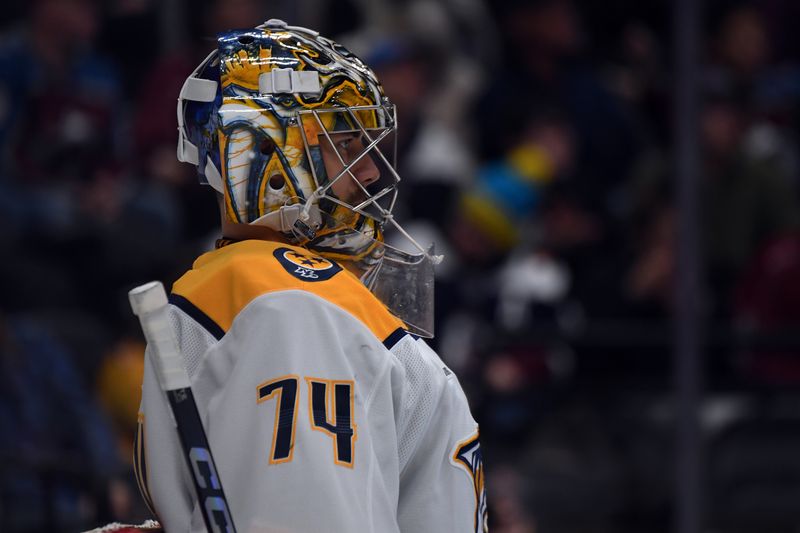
<point x="280" y="92"/>
<point x="296" y="134"/>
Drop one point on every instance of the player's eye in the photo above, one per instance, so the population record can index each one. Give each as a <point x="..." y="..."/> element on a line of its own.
<point x="344" y="144"/>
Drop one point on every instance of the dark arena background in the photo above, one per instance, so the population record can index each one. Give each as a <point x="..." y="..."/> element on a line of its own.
<point x="614" y="186"/>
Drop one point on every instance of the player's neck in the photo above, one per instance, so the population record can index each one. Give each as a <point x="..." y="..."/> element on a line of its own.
<point x="240" y="232"/>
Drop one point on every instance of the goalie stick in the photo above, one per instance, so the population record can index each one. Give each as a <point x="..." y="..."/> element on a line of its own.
<point x="149" y="303"/>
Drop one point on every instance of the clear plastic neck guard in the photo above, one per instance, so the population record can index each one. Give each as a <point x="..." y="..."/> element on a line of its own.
<point x="402" y="281"/>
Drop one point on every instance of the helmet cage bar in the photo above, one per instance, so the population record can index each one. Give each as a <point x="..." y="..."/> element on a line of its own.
<point x="375" y="197"/>
<point x="372" y="143"/>
<point x="385" y="212"/>
<point x="389" y="166"/>
<point x="347" y="166"/>
<point x="380" y="153"/>
<point x="371" y="199"/>
<point x="435" y="259"/>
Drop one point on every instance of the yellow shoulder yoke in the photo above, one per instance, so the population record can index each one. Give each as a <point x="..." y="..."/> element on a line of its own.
<point x="222" y="282"/>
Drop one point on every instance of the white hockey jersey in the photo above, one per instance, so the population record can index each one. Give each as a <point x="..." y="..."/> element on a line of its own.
<point x="322" y="413"/>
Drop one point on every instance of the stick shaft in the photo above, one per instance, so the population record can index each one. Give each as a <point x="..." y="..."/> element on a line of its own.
<point x="149" y="303"/>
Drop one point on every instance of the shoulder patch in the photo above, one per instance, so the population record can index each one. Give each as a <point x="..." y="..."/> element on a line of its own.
<point x="305" y="266"/>
<point x="467" y="455"/>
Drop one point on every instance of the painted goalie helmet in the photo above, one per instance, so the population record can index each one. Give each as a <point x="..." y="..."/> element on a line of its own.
<point x="296" y="134"/>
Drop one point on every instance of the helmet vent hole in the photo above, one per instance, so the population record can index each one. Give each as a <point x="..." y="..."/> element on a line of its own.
<point x="267" y="146"/>
<point x="276" y="182"/>
<point x="246" y="39"/>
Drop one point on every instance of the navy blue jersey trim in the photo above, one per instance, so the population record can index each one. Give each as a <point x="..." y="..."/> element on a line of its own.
<point x="200" y="317"/>
<point x="396" y="336"/>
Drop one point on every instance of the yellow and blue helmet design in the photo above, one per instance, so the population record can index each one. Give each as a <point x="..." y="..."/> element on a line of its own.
<point x="252" y="118"/>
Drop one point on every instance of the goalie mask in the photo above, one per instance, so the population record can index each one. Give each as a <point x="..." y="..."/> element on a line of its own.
<point x="296" y="134"/>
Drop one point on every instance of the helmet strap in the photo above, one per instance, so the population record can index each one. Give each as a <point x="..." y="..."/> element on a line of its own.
<point x="298" y="220"/>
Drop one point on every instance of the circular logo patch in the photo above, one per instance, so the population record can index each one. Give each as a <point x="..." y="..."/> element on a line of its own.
<point x="305" y="266"/>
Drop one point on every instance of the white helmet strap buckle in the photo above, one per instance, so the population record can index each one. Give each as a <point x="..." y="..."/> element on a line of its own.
<point x="290" y="219"/>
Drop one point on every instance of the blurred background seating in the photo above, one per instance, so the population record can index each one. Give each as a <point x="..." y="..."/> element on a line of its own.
<point x="537" y="149"/>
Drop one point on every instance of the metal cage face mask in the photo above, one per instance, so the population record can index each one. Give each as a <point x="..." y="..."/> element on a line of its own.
<point x="353" y="152"/>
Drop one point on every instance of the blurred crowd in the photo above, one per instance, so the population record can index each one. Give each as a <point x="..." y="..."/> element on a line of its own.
<point x="536" y="146"/>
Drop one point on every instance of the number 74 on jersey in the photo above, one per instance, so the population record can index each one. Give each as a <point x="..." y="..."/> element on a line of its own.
<point x="330" y="410"/>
